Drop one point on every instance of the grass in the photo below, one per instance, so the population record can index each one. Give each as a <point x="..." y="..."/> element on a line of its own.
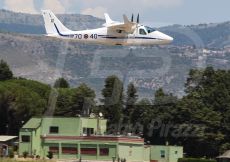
<point x="19" y="160"/>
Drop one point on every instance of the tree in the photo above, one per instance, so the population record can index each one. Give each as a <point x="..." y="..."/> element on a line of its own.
<point x="5" y="101"/>
<point x="225" y="147"/>
<point x="141" y="116"/>
<point x="40" y="88"/>
<point x="61" y="83"/>
<point x="84" y="100"/>
<point x="164" y="105"/>
<point x="5" y="72"/>
<point x="65" y="103"/>
<point x="142" y="112"/>
<point x="113" y="99"/>
<point x="161" y="113"/>
<point x="131" y="99"/>
<point x="203" y="123"/>
<point x="208" y="104"/>
<point x="18" y="104"/>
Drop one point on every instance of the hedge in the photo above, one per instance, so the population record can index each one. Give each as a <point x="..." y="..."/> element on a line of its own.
<point x="194" y="160"/>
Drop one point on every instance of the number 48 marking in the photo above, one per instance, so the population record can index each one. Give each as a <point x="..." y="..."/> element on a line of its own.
<point x="93" y="36"/>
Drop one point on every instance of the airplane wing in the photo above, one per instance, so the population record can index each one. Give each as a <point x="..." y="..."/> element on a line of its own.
<point x="127" y="26"/>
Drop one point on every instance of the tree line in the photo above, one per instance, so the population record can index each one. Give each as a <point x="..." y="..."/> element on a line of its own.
<point x="199" y="121"/>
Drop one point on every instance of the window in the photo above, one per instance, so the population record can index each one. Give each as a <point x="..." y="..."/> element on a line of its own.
<point x="53" y="149"/>
<point x="162" y="153"/>
<point x="54" y="130"/>
<point x="119" y="31"/>
<point x="104" y="151"/>
<point x="150" y="30"/>
<point x="69" y="150"/>
<point x="142" y="32"/>
<point x="25" y="138"/>
<point x="88" y="151"/>
<point x="88" y="131"/>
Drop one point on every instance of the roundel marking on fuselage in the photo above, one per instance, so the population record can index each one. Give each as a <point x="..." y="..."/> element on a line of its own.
<point x="86" y="36"/>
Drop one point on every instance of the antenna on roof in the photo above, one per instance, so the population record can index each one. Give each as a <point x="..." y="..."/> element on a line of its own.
<point x="100" y="114"/>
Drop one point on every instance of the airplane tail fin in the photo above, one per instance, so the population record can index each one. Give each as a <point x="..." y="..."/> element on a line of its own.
<point x="108" y="20"/>
<point x="126" y="20"/>
<point x="53" y="25"/>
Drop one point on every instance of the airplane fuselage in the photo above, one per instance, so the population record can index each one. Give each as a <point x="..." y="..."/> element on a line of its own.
<point x="104" y="36"/>
<point x="113" y="33"/>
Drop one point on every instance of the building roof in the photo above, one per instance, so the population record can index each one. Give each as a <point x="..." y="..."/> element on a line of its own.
<point x="164" y="146"/>
<point x="6" y="138"/>
<point x="226" y="155"/>
<point x="33" y="123"/>
<point x="97" y="138"/>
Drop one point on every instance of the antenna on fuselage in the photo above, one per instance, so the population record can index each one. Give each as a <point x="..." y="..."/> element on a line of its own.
<point x="138" y="18"/>
<point x="132" y="18"/>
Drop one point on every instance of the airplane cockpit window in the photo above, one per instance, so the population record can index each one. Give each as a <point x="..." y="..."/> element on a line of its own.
<point x="120" y="31"/>
<point x="150" y="30"/>
<point x="142" y="32"/>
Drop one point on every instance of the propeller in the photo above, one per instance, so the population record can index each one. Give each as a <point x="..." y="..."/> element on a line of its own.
<point x="132" y="18"/>
<point x="138" y="18"/>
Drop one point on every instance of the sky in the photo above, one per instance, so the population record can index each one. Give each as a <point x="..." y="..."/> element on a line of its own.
<point x="154" y="12"/>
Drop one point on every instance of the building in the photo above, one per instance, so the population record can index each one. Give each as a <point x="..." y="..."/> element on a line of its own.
<point x="224" y="158"/>
<point x="165" y="153"/>
<point x="5" y="143"/>
<point x="85" y="138"/>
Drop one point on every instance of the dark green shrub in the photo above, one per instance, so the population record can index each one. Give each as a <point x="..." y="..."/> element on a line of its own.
<point x="50" y="155"/>
<point x="194" y="160"/>
<point x="25" y="154"/>
<point x="11" y="153"/>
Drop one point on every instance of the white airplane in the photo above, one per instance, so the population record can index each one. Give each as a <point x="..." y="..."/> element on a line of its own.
<point x="128" y="33"/>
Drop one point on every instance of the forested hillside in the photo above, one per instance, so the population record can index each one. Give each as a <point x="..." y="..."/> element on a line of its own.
<point x="199" y="121"/>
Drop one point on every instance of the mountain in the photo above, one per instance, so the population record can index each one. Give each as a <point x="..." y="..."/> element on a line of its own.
<point x="33" y="24"/>
<point x="45" y="59"/>
<point x="202" y="35"/>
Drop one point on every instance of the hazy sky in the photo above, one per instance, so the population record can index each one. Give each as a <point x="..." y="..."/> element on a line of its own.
<point x="151" y="11"/>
